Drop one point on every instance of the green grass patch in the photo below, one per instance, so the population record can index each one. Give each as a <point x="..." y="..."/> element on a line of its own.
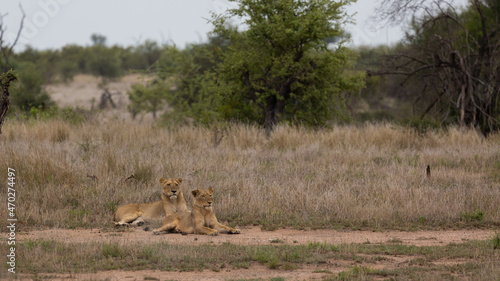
<point x="476" y="216"/>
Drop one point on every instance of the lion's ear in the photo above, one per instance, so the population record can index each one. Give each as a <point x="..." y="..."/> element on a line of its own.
<point x="162" y="180"/>
<point x="195" y="192"/>
<point x="211" y="190"/>
<point x="179" y="180"/>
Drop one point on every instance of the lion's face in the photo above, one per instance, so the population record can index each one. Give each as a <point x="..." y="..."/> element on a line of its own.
<point x="203" y="198"/>
<point x="171" y="187"/>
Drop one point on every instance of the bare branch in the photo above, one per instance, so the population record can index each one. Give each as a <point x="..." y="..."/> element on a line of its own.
<point x="457" y="66"/>
<point x="21" y="25"/>
<point x="5" y="49"/>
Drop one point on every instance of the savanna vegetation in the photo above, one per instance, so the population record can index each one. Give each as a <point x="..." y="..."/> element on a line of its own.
<point x="289" y="125"/>
<point x="370" y="176"/>
<point x="442" y="73"/>
<point x="75" y="174"/>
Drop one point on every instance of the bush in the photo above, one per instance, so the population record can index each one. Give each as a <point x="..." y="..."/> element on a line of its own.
<point x="29" y="92"/>
<point x="104" y="62"/>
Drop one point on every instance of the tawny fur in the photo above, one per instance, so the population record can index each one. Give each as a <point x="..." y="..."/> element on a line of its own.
<point x="172" y="202"/>
<point x="201" y="219"/>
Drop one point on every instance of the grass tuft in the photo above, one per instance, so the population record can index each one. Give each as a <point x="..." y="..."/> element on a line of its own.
<point x="496" y="241"/>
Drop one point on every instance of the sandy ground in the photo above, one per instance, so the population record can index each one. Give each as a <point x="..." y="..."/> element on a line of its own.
<point x="255" y="236"/>
<point x="84" y="92"/>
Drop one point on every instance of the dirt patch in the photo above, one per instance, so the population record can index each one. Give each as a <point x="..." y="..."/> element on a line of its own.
<point x="255" y="272"/>
<point x="256" y="236"/>
<point x="84" y="91"/>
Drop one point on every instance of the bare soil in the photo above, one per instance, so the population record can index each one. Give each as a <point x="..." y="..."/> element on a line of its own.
<point x="84" y="92"/>
<point x="255" y="236"/>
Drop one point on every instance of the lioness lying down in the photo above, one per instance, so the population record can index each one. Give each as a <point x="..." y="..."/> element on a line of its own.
<point x="172" y="201"/>
<point x="201" y="219"/>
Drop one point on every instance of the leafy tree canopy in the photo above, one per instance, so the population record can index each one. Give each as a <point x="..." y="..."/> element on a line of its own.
<point x="280" y="66"/>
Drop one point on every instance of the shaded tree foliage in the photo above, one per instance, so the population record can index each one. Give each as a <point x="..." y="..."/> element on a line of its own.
<point x="383" y="98"/>
<point x="98" y="39"/>
<point x="30" y="91"/>
<point x="145" y="99"/>
<point x="5" y="79"/>
<point x="102" y="61"/>
<point x="454" y="56"/>
<point x="189" y="76"/>
<point x="280" y="67"/>
<point x="149" y="52"/>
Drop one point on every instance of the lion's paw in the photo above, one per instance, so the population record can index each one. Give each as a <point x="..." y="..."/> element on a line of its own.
<point x="234" y="231"/>
<point x="215" y="233"/>
<point x="120" y="224"/>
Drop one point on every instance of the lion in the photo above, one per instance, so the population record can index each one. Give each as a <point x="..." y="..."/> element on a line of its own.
<point x="172" y="202"/>
<point x="201" y="219"/>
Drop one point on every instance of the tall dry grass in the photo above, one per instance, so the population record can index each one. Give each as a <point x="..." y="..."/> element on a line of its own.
<point x="355" y="176"/>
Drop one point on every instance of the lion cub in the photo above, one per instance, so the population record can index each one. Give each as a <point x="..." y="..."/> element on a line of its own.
<point x="201" y="220"/>
<point x="172" y="201"/>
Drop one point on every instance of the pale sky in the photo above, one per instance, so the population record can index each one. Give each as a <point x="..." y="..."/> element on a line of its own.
<point x="51" y="24"/>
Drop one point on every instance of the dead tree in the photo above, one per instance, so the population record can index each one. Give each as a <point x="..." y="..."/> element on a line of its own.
<point x="456" y="64"/>
<point x="7" y="76"/>
<point x="6" y="50"/>
<point x="106" y="97"/>
<point x="5" y="80"/>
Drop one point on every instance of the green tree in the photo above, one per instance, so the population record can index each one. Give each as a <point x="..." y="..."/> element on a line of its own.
<point x="145" y="99"/>
<point x="76" y="56"/>
<point x="98" y="39"/>
<point x="29" y="92"/>
<point x="140" y="57"/>
<point x="188" y="75"/>
<point x="103" y="62"/>
<point x="281" y="65"/>
<point x="46" y="62"/>
<point x="149" y="51"/>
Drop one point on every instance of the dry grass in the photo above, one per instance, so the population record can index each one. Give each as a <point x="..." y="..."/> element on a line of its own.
<point x="370" y="176"/>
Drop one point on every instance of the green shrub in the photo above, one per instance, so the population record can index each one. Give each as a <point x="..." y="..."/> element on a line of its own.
<point x="29" y="92"/>
<point x="472" y="216"/>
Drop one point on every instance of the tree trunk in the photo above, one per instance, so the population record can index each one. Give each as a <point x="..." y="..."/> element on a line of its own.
<point x="273" y="113"/>
<point x="5" y="80"/>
